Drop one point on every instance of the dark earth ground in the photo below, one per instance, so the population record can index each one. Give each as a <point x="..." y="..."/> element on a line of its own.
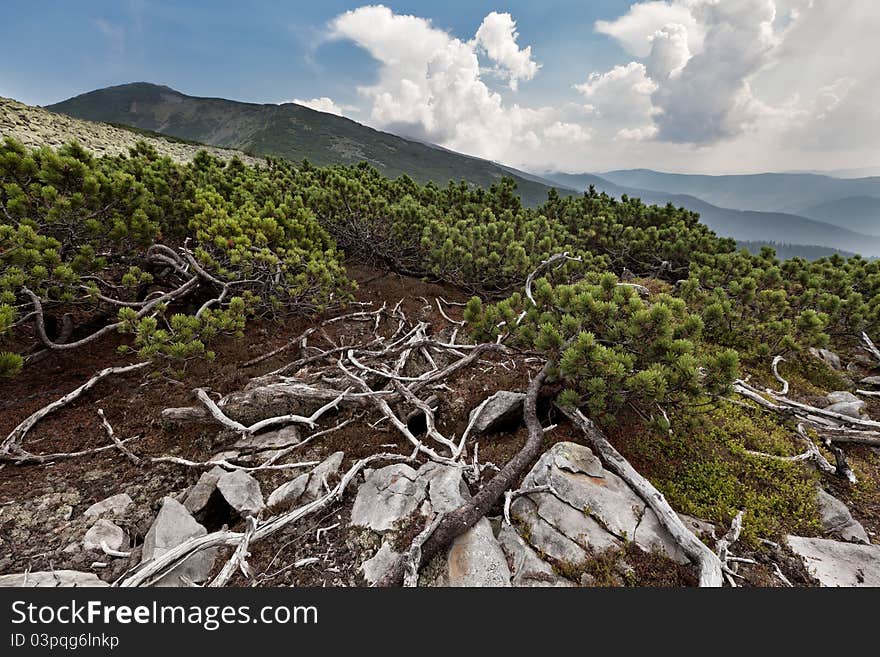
<point x="41" y="506"/>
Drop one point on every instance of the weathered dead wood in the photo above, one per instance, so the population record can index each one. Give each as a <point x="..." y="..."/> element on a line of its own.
<point x="17" y="435"/>
<point x="310" y="421"/>
<point x="238" y="560"/>
<point x="119" y="444"/>
<point x="783" y="381"/>
<point x="870" y="345"/>
<point x="708" y="562"/>
<point x="457" y="522"/>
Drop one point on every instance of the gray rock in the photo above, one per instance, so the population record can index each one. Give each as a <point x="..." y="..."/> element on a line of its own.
<point x="545" y="537"/>
<point x="871" y="381"/>
<point x="271" y="440"/>
<point x="306" y="487"/>
<point x="54" y="578"/>
<point x="589" y="506"/>
<point x="700" y="527"/>
<point x="174" y="525"/>
<point x="197" y="498"/>
<point x="387" y="496"/>
<point x="850" y="409"/>
<point x="835" y="563"/>
<point x="242" y="492"/>
<point x="841" y="396"/>
<point x="379" y="564"/>
<point x="828" y="357"/>
<point x="104" y="530"/>
<point x="324" y="471"/>
<point x="475" y="559"/>
<point x="837" y="520"/>
<point x="527" y="567"/>
<point x="287" y="494"/>
<point x="115" y="505"/>
<point x="502" y="407"/>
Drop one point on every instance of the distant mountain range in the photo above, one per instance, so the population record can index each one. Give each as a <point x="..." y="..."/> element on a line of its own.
<point x="833" y="214"/>
<point x="290" y="131"/>
<point x="742" y="225"/>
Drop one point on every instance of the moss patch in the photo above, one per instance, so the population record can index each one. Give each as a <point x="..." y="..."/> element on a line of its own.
<point x="704" y="469"/>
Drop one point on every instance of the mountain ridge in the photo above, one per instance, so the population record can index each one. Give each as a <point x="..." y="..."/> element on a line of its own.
<point x="287" y="130"/>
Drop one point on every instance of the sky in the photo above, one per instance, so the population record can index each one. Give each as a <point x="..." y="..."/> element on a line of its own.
<point x="705" y="86"/>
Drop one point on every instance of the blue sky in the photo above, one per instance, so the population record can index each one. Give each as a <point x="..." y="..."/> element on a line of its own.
<point x="687" y="85"/>
<point x="257" y="51"/>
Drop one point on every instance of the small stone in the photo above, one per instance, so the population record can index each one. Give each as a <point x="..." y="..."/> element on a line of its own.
<point x="271" y="440"/>
<point x="115" y="505"/>
<point x="850" y="409"/>
<point x="841" y="396"/>
<point x="242" y="492"/>
<point x="838" y="521"/>
<point x="871" y="381"/>
<point x="499" y="409"/>
<point x="828" y="357"/>
<point x="379" y="564"/>
<point x="197" y="498"/>
<point x="107" y="532"/>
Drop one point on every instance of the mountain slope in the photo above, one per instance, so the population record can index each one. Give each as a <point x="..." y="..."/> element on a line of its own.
<point x="36" y="127"/>
<point x="860" y="213"/>
<point x="766" y="192"/>
<point x="290" y="131"/>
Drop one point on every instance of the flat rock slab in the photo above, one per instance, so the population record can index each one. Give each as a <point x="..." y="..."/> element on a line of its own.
<point x="115" y="505"/>
<point x="54" y="578"/>
<point x="107" y="532"/>
<point x="501" y="408"/>
<point x="526" y="567"/>
<point x="242" y="492"/>
<point x="871" y="381"/>
<point x="271" y="440"/>
<point x="837" y="520"/>
<point x="388" y="496"/>
<point x="835" y="563"/>
<point x="174" y="525"/>
<point x="589" y="509"/>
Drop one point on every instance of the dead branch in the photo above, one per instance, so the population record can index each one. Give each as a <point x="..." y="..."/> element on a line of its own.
<point x="784" y="382"/>
<point x="709" y="564"/>
<point x="226" y="421"/>
<point x="238" y="560"/>
<point x="119" y="444"/>
<point x="457" y="522"/>
<point x="870" y="345"/>
<point x="17" y="435"/>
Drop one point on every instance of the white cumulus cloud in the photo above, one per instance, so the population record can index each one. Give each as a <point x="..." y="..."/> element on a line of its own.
<point x="322" y="104"/>
<point x="497" y="36"/>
